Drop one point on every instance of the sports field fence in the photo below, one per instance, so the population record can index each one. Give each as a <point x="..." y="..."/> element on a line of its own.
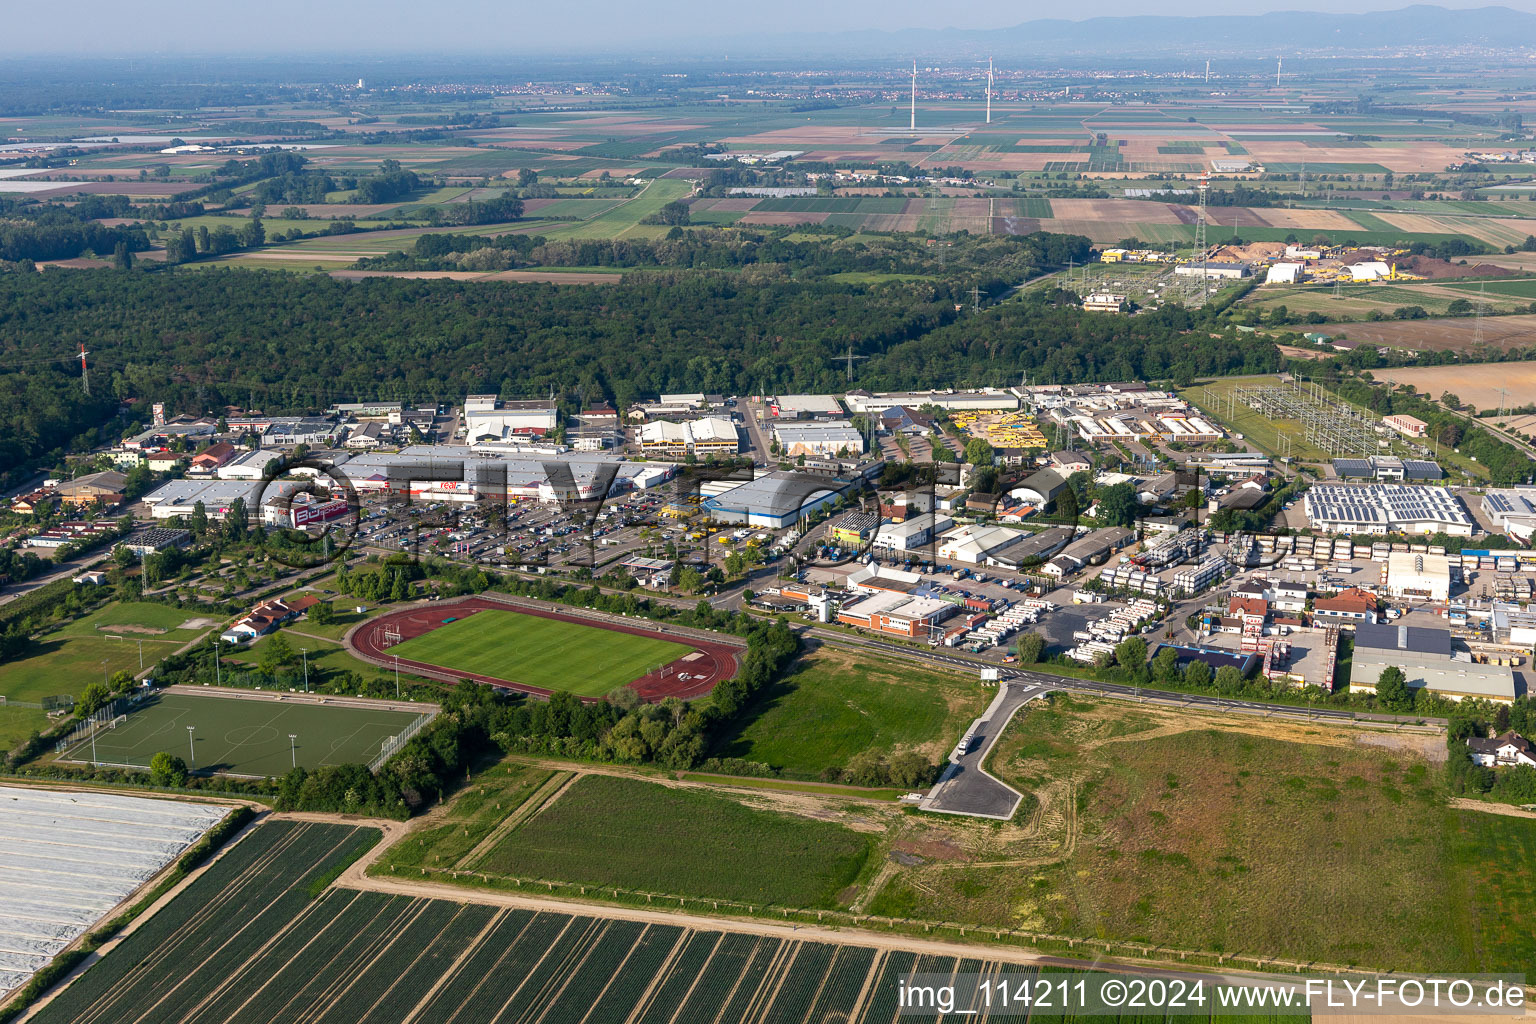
<point x="392" y="745"/>
<point x="106" y="717"/>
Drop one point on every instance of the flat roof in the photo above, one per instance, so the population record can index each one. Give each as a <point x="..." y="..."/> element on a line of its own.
<point x="809" y="403"/>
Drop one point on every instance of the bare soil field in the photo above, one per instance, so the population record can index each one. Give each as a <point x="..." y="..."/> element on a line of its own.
<point x="1477" y="384"/>
<point x="1116" y="211"/>
<point x="1310" y="220"/>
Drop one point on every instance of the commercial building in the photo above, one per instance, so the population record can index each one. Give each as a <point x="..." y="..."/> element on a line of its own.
<point x="1387" y="469"/>
<point x="366" y="410"/>
<point x="486" y="417"/>
<point x="974" y="544"/>
<point x="805" y="406"/>
<point x="896" y="613"/>
<point x="106" y="488"/>
<point x="984" y="400"/>
<point x="713" y="435"/>
<point x="462" y="473"/>
<point x="912" y="532"/>
<point x="1349" y="607"/>
<point x="774" y="501"/>
<point x="818" y="439"/>
<point x="853" y="529"/>
<point x="1419" y="576"/>
<point x="1512" y="510"/>
<point x="1428" y="660"/>
<point x="1387" y="508"/>
<point x="212" y="457"/>
<point x="1032" y="551"/>
<point x="308" y="430"/>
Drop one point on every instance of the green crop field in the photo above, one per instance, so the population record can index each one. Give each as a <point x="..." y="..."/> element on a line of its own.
<point x="547" y="653"/>
<point x="1520" y="289"/>
<point x="1150" y="827"/>
<point x="834" y="705"/>
<point x="66" y="660"/>
<point x="642" y="836"/>
<point x="244" y="736"/>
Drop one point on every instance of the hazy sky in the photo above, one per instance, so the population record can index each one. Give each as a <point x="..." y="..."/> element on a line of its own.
<point x="283" y="26"/>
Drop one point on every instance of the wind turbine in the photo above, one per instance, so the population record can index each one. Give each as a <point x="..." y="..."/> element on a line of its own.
<point x="989" y="90"/>
<point x="1279" y="63"/>
<point x="912" y="126"/>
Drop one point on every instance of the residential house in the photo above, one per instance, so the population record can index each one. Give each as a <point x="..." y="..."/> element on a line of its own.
<point x="266" y="617"/>
<point x="1503" y="751"/>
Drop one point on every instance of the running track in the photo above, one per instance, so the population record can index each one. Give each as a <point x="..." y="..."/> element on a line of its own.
<point x="711" y="662"/>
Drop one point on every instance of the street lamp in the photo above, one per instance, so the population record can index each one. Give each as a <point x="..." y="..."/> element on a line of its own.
<point x="292" y="749"/>
<point x="304" y="655"/>
<point x="191" y="753"/>
<point x="397" y="677"/>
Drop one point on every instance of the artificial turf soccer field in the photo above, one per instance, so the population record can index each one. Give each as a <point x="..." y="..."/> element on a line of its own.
<point x="547" y="653"/>
<point x="244" y="736"/>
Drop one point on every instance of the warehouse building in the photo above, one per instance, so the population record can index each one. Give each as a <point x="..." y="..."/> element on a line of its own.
<point x="911" y="533"/>
<point x="974" y="544"/>
<point x="1032" y="551"/>
<point x="1428" y="660"/>
<point x="821" y="440"/>
<point x="1424" y="577"/>
<point x="1220" y="271"/>
<point x="1386" y="508"/>
<point x="1041" y="488"/>
<point x="1093" y="548"/>
<point x="774" y="501"/>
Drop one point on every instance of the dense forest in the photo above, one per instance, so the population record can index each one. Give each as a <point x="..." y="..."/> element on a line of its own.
<point x="284" y="342"/>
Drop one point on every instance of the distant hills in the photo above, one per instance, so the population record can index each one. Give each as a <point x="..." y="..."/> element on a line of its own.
<point x="1422" y="26"/>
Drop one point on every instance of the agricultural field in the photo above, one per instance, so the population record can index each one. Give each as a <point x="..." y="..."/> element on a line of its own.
<point x="1144" y="825"/>
<point x="1357" y="301"/>
<point x="66" y="660"/>
<point x="259" y="938"/>
<point x="643" y="836"/>
<point x="1454" y="334"/>
<point x="245" y="735"/>
<point x="541" y="652"/>
<point x="1476" y="384"/>
<point x="835" y="705"/>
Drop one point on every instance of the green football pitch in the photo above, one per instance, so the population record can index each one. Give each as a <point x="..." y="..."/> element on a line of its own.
<point x="245" y="736"/>
<point x="548" y="653"/>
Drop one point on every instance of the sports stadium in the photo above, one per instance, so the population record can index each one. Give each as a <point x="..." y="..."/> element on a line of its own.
<point x="532" y="649"/>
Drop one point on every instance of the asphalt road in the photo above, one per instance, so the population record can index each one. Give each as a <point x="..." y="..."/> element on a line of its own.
<point x="965" y="787"/>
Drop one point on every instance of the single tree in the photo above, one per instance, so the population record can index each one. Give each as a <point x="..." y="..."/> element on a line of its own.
<point x="166" y="769"/>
